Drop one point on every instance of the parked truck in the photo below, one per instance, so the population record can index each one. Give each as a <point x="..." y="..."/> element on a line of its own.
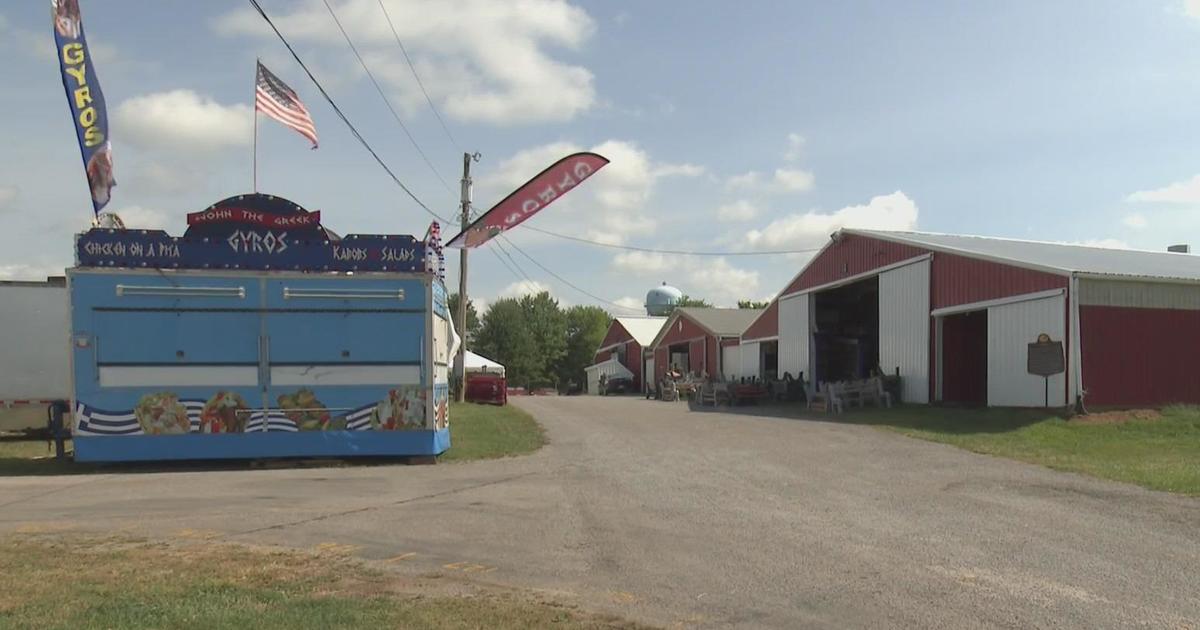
<point x="34" y="348"/>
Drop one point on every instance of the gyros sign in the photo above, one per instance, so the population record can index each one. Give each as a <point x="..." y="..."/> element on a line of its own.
<point x="530" y="198"/>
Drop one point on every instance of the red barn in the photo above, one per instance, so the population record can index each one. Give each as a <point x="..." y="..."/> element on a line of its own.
<point x="956" y="315"/>
<point x="693" y="339"/>
<point x="621" y="351"/>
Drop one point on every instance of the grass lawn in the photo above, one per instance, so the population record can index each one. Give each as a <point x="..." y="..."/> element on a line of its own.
<point x="71" y="582"/>
<point x="31" y="457"/>
<point x="1161" y="453"/>
<point x="488" y="431"/>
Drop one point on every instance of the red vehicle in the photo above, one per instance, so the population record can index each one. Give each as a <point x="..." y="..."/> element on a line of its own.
<point x="487" y="388"/>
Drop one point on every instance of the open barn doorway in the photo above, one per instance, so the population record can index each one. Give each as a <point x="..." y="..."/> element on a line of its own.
<point x="846" y="331"/>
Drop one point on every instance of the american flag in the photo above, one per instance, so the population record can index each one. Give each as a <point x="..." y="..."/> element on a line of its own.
<point x="274" y="98"/>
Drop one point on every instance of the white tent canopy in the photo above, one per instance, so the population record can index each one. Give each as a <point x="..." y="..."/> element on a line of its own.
<point x="477" y="363"/>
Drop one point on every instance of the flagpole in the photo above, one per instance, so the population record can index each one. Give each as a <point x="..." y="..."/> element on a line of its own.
<point x="254" y="143"/>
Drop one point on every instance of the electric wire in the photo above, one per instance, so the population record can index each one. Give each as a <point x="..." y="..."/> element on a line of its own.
<point x="568" y="282"/>
<point x="379" y="160"/>
<point x="329" y="99"/>
<point x="386" y="100"/>
<point x="416" y="76"/>
<point x="678" y="252"/>
<point x="506" y="265"/>
<point x="510" y="257"/>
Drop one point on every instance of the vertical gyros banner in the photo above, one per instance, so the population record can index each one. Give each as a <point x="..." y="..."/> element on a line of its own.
<point x="85" y="98"/>
<point x="557" y="180"/>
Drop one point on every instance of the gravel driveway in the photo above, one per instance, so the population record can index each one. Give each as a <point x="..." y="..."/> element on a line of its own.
<point x="704" y="519"/>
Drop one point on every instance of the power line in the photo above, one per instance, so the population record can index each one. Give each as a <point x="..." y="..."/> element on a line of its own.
<point x="382" y="95"/>
<point x="514" y="260"/>
<point x="416" y="76"/>
<point x="338" y="110"/>
<point x="506" y="265"/>
<point x="568" y="282"/>
<point x="678" y="252"/>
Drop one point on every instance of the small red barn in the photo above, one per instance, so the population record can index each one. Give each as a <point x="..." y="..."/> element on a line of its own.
<point x="693" y="338"/>
<point x="623" y="350"/>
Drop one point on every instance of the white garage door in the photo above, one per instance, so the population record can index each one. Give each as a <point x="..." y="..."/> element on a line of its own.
<point x="1011" y="328"/>
<point x="794" y="335"/>
<point x="750" y="351"/>
<point x="904" y="328"/>
<point x="731" y="362"/>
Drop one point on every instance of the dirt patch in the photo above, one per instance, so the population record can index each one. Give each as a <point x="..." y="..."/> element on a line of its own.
<point x="1119" y="417"/>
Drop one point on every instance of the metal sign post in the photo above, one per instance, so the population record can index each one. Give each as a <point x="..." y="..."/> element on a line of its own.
<point x="1045" y="358"/>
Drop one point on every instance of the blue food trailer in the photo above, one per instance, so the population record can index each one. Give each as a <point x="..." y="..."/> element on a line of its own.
<point x="258" y="334"/>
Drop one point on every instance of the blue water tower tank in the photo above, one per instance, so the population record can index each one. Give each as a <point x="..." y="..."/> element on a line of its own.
<point x="660" y="301"/>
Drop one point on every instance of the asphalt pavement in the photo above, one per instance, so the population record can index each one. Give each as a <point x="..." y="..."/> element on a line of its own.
<point x="702" y="519"/>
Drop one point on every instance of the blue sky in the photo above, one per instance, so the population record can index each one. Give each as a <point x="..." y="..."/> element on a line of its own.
<point x="731" y="126"/>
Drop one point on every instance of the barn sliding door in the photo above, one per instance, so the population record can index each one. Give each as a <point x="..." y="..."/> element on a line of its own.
<point x="794" y="336"/>
<point x="1011" y="328"/>
<point x="904" y="328"/>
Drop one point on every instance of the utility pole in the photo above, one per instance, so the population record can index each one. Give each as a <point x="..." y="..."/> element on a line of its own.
<point x="460" y="364"/>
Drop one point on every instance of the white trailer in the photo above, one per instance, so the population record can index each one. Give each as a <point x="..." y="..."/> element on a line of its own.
<point x="34" y="351"/>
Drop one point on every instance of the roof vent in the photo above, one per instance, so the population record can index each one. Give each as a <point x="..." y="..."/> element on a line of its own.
<point x="1180" y="249"/>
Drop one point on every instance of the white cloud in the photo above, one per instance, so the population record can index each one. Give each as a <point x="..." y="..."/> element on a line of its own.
<point x="8" y="194"/>
<point x="722" y="283"/>
<point x="745" y="180"/>
<point x="713" y="279"/>
<point x="1135" y="221"/>
<point x="682" y="170"/>
<point x="782" y="181"/>
<point x="1180" y="192"/>
<point x="142" y="218"/>
<point x="609" y="206"/>
<point x="182" y="119"/>
<point x="793" y="180"/>
<point x="480" y="60"/>
<point x="523" y="288"/>
<point x="810" y="229"/>
<point x="631" y="303"/>
<point x="641" y="263"/>
<point x="795" y="147"/>
<point x="1191" y="8"/>
<point x="740" y="210"/>
<point x="30" y="272"/>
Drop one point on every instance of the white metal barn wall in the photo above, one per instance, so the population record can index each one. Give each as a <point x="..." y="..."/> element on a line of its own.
<point x="750" y="359"/>
<point x="904" y="327"/>
<point x="731" y="362"/>
<point x="1011" y="328"/>
<point x="794" y="335"/>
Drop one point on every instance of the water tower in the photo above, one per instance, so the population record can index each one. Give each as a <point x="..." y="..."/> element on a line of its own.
<point x="660" y="301"/>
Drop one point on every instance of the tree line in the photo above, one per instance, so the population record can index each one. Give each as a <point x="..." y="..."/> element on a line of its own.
<point x="540" y="343"/>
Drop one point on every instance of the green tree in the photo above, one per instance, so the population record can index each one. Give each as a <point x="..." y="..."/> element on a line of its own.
<point x="471" y="332"/>
<point x="548" y="326"/>
<point x="753" y="304"/>
<point x="586" y="327"/>
<point x="528" y="335"/>
<point x="504" y="337"/>
<point x="687" y="300"/>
